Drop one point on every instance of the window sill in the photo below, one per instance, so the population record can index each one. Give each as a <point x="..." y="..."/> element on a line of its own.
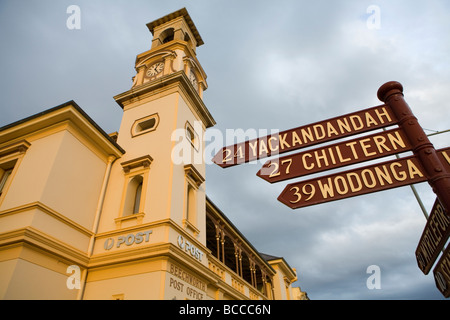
<point x="189" y="225"/>
<point x="138" y="217"/>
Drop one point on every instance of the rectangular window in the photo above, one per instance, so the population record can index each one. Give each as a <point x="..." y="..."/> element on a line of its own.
<point x="5" y="175"/>
<point x="10" y="156"/>
<point x="193" y="181"/>
<point x="190" y="204"/>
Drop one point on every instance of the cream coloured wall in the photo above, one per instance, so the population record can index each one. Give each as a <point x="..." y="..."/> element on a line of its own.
<point x="28" y="184"/>
<point x="48" y="208"/>
<point x="138" y="280"/>
<point x="282" y="281"/>
<point x="187" y="116"/>
<point x="157" y="145"/>
<point x="165" y="192"/>
<point x="33" y="274"/>
<point x="56" y="188"/>
<point x="74" y="182"/>
<point x="60" y="172"/>
<point x="278" y="285"/>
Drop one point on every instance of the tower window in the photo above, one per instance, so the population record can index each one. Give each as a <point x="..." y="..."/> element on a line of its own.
<point x="168" y="38"/>
<point x="144" y="125"/>
<point x="192" y="136"/>
<point x="167" y="35"/>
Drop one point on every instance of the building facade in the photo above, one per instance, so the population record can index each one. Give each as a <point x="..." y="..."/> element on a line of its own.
<point x="90" y="215"/>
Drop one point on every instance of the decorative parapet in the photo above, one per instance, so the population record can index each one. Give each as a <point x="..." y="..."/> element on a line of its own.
<point x="238" y="285"/>
<point x="231" y="278"/>
<point x="216" y="269"/>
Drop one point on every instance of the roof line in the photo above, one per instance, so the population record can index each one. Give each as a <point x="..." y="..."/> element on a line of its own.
<point x="61" y="106"/>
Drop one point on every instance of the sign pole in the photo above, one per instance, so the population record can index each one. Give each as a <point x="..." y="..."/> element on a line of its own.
<point x="438" y="176"/>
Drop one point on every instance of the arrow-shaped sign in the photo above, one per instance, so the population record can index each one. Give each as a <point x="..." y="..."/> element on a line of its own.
<point x="305" y="136"/>
<point x="369" y="179"/>
<point x="334" y="156"/>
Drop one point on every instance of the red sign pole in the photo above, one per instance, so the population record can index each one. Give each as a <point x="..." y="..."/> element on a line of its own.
<point x="438" y="176"/>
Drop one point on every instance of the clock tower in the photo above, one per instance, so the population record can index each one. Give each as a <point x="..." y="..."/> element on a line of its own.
<point x="158" y="184"/>
<point x="173" y="49"/>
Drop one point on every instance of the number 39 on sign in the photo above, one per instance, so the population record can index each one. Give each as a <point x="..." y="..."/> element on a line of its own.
<point x="351" y="183"/>
<point x="308" y="190"/>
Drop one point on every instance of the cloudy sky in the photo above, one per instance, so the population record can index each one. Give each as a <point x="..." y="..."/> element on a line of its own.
<point x="270" y="65"/>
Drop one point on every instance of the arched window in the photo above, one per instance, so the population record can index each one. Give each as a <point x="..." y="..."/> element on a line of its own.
<point x="133" y="196"/>
<point x="167" y="35"/>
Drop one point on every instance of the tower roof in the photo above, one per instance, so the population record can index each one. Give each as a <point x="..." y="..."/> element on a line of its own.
<point x="180" y="13"/>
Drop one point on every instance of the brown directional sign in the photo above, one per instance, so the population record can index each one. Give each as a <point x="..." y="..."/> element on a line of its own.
<point x="334" y="156"/>
<point x="304" y="136"/>
<point x="442" y="273"/>
<point x="386" y="175"/>
<point x="373" y="178"/>
<point x="434" y="237"/>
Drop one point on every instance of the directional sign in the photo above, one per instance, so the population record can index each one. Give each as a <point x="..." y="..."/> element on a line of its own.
<point x="304" y="136"/>
<point x="373" y="178"/>
<point x="334" y="156"/>
<point x="434" y="237"/>
<point x="442" y="273"/>
<point x="386" y="175"/>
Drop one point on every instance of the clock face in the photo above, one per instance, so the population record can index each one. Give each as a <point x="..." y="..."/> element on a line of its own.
<point x="154" y="69"/>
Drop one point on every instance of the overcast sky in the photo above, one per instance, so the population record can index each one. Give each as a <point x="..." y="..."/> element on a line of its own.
<point x="270" y="65"/>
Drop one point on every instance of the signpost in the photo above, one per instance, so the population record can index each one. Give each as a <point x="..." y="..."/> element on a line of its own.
<point x="426" y="164"/>
<point x="434" y="237"/>
<point x="437" y="175"/>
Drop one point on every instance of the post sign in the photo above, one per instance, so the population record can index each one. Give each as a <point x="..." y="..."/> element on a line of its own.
<point x="434" y="237"/>
<point x="334" y="156"/>
<point x="305" y="136"/>
<point x="382" y="176"/>
<point x="442" y="273"/>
